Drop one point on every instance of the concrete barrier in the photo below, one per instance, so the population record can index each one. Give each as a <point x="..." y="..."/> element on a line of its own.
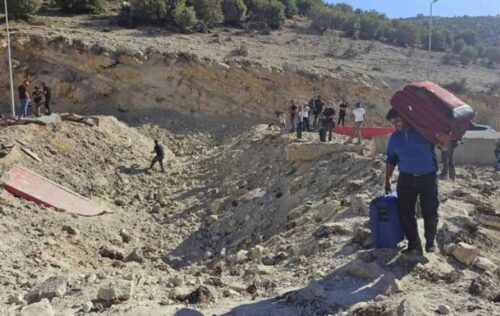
<point x="478" y="148"/>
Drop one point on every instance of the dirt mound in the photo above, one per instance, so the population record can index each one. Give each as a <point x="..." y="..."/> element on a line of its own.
<point x="239" y="229"/>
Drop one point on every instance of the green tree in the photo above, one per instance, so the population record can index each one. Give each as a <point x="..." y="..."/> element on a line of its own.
<point x="493" y="55"/>
<point x="369" y="25"/>
<point x="458" y="46"/>
<point x="21" y="9"/>
<point x="305" y="5"/>
<point x="82" y="6"/>
<point x="468" y="54"/>
<point x="184" y="16"/>
<point x="271" y="12"/>
<point x="148" y="12"/>
<point x="405" y="35"/>
<point x="208" y="11"/>
<point x="234" y="11"/>
<point x="439" y="43"/>
<point x="290" y="8"/>
<point x="469" y="37"/>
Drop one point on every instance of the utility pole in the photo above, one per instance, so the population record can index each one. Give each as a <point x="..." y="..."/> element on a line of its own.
<point x="430" y="42"/>
<point x="13" y="106"/>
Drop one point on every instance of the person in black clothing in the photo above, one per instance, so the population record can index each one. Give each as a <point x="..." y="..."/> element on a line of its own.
<point x="47" y="92"/>
<point x="37" y="98"/>
<point x="160" y="154"/>
<point x="326" y="123"/>
<point x="293" y="112"/>
<point x="342" y="113"/>
<point x="318" y="104"/>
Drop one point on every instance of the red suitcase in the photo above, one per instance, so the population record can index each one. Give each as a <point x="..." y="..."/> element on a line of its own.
<point x="431" y="110"/>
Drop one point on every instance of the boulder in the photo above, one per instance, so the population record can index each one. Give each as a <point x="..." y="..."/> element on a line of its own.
<point x="116" y="290"/>
<point x="365" y="270"/>
<point x="50" y="288"/>
<point x="256" y="252"/>
<point x="484" y="264"/>
<point x="362" y="236"/>
<point x="465" y="253"/>
<point x="331" y="228"/>
<point x="42" y="308"/>
<point x="136" y="256"/>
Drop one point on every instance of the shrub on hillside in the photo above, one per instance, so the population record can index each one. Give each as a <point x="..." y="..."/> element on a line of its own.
<point x="209" y="11"/>
<point x="21" y="9"/>
<point x="304" y="6"/>
<point x="147" y="12"/>
<point x="270" y="12"/>
<point x="290" y="8"/>
<point x="493" y="55"/>
<point x="184" y="16"/>
<point x="469" y="37"/>
<point x="458" y="46"/>
<point x="468" y="55"/>
<point x="405" y="35"/>
<point x="82" y="6"/>
<point x="459" y="86"/>
<point x="439" y="42"/>
<point x="234" y="11"/>
<point x="369" y="25"/>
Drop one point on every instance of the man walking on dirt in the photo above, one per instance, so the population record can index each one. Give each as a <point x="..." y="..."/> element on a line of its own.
<point x="358" y="115"/>
<point x="47" y="92"/>
<point x="24" y="97"/>
<point x="160" y="154"/>
<point x="416" y="160"/>
<point x="293" y="112"/>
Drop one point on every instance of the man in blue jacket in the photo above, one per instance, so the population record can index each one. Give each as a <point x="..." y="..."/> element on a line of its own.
<point x="416" y="160"/>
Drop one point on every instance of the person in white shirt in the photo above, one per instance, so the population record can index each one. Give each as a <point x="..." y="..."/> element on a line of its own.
<point x="300" y="121"/>
<point x="306" y="111"/>
<point x="358" y="115"/>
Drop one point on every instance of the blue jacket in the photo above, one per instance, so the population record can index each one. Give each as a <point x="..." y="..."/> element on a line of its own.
<point x="411" y="152"/>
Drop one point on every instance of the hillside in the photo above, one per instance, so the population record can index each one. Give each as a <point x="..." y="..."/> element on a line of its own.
<point x="487" y="27"/>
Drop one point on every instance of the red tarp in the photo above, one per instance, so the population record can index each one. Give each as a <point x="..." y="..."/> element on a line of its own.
<point x="28" y="185"/>
<point x="366" y="132"/>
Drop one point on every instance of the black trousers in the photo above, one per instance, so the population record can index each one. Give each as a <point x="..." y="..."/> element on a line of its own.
<point x="448" y="161"/>
<point x="155" y="160"/>
<point x="325" y="127"/>
<point x="341" y="119"/>
<point x="409" y="188"/>
<point x="299" y="130"/>
<point x="306" y="124"/>
<point x="292" y="120"/>
<point x="47" y="106"/>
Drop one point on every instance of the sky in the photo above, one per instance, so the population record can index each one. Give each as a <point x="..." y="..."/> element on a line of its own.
<point x="410" y="8"/>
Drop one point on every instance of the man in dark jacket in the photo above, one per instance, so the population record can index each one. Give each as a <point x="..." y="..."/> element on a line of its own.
<point x="416" y="160"/>
<point x="47" y="92"/>
<point x="160" y="154"/>
<point x="318" y="104"/>
<point x="326" y="122"/>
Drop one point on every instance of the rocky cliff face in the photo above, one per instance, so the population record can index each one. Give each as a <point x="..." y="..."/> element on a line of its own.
<point x="158" y="84"/>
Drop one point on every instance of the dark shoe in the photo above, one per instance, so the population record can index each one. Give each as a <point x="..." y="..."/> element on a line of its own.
<point x="413" y="252"/>
<point x="430" y="248"/>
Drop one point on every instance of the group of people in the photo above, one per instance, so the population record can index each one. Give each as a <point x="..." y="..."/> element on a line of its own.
<point x="41" y="96"/>
<point x="323" y="117"/>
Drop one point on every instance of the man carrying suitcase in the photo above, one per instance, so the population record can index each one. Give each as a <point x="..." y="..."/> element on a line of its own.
<point x="416" y="160"/>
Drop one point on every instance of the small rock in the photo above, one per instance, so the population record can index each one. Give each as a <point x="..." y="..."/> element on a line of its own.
<point x="42" y="308"/>
<point x="212" y="219"/>
<point x="484" y="264"/>
<point x="359" y="204"/>
<point x="256" y="252"/>
<point x="354" y="185"/>
<point x="177" y="280"/>
<point x="362" y="236"/>
<point x="136" y="256"/>
<point x="465" y="253"/>
<point x="217" y="206"/>
<point x="17" y="299"/>
<point x="231" y="293"/>
<point x="120" y="202"/>
<point x="179" y="293"/>
<point x="111" y="253"/>
<point x="365" y="270"/>
<point x="238" y="287"/>
<point x="116" y="291"/>
<point x="70" y="230"/>
<point x="125" y="235"/>
<point x="444" y="309"/>
<point x="202" y="295"/>
<point x="87" y="307"/>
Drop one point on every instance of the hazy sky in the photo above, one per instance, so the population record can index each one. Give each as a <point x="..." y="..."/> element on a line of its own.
<point x="410" y="8"/>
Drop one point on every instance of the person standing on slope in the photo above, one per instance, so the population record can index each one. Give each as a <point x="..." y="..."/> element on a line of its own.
<point x="358" y="115"/>
<point x="342" y="113"/>
<point x="293" y="113"/>
<point x="416" y="160"/>
<point x="47" y="92"/>
<point x="306" y="110"/>
<point x="160" y="155"/>
<point x="24" y="97"/>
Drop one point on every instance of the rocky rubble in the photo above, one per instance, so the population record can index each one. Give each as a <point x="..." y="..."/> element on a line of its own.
<point x="236" y="229"/>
